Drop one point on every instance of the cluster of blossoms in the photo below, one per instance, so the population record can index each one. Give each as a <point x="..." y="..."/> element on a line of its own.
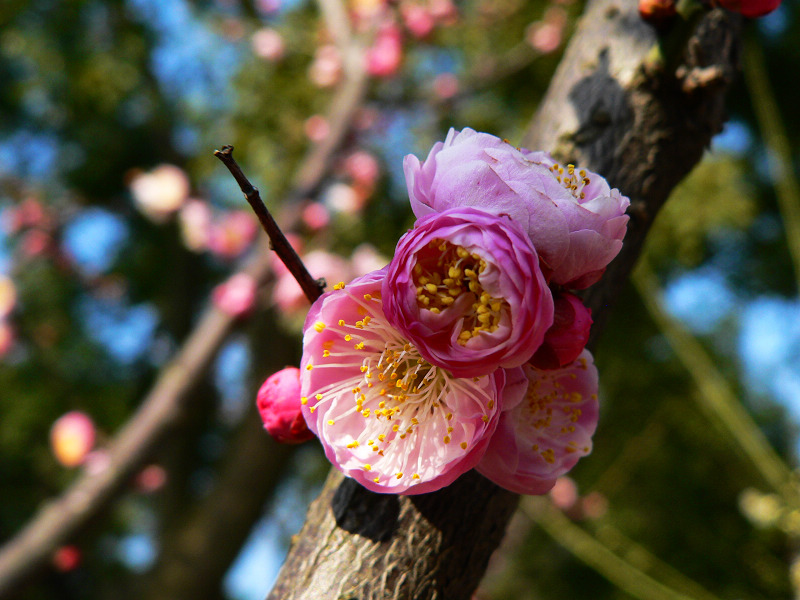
<point x="466" y="350"/>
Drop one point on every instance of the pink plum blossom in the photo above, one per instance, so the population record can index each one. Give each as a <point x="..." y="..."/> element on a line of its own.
<point x="363" y="168"/>
<point x="6" y="337"/>
<point x="417" y="19"/>
<point x="236" y="296"/>
<point x="567" y="337"/>
<point x="160" y="192"/>
<point x="194" y="219"/>
<point x="316" y="216"/>
<point x="326" y="70"/>
<point x="574" y="219"/>
<point x="278" y="404"/>
<point x="386" y="54"/>
<point x="384" y="415"/>
<point x="268" y="44"/>
<point x="288" y="295"/>
<point x="232" y="234"/>
<point x="317" y="128"/>
<point x="465" y="287"/>
<point x="542" y="437"/>
<point x="72" y="437"/>
<point x="595" y="216"/>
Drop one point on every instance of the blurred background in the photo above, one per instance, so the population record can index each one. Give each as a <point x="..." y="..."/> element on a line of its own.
<point x="121" y="234"/>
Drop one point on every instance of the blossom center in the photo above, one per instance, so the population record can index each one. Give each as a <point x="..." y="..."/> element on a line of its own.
<point x="572" y="180"/>
<point x="552" y="411"/>
<point x="445" y="273"/>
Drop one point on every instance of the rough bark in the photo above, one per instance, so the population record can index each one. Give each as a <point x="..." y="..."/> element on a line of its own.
<point x="613" y="110"/>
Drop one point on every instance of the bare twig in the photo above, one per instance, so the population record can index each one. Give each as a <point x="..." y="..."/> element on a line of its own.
<point x="311" y="287"/>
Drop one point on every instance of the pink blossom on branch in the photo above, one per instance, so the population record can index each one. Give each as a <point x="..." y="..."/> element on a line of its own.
<point x="385" y="416"/>
<point x="278" y="403"/>
<point x="465" y="287"/>
<point x="574" y="219"/>
<point x="545" y="435"/>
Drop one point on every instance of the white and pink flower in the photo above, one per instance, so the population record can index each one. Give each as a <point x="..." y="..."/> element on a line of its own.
<point x="384" y="415"/>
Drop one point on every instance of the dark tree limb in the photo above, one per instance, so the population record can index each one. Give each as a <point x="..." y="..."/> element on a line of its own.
<point x="63" y="518"/>
<point x="613" y="110"/>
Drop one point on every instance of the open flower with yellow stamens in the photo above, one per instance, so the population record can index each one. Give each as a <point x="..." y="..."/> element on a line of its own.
<point x="465" y="287"/>
<point x="385" y="416"/>
<point x="574" y="219"/>
<point x="542" y="437"/>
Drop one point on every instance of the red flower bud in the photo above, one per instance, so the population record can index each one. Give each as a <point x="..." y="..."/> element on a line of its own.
<point x="565" y="340"/>
<point x="278" y="404"/>
<point x="750" y="8"/>
<point x="657" y="12"/>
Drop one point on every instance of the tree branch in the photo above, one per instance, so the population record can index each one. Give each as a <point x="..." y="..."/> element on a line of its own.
<point x="612" y="112"/>
<point x="312" y="288"/>
<point x="63" y="518"/>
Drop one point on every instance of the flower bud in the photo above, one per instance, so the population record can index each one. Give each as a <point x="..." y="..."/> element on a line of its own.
<point x="278" y="404"/>
<point x="567" y="337"/>
<point x="657" y="12"/>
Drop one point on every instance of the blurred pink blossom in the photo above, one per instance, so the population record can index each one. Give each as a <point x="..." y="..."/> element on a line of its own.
<point x="362" y="167"/>
<point x="233" y="234"/>
<point x="343" y="198"/>
<point x="287" y="293"/>
<point x="150" y="479"/>
<point x="594" y="505"/>
<point x="546" y="35"/>
<point x="316" y="216"/>
<point x="386" y="54"/>
<point x="444" y="11"/>
<point x="268" y="44"/>
<point x="72" y="437"/>
<point x="6" y="337"/>
<point x="326" y="69"/>
<point x="8" y="296"/>
<point x="194" y="219"/>
<point x="445" y="86"/>
<point x="160" y="192"/>
<point x="236" y="297"/>
<point x="365" y="118"/>
<point x="267" y="7"/>
<point x="365" y="259"/>
<point x="67" y="558"/>
<point x="35" y="242"/>
<point x="317" y="128"/>
<point x="417" y="19"/>
<point x="564" y="493"/>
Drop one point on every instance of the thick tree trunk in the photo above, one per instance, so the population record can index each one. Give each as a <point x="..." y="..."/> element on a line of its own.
<point x="613" y="110"/>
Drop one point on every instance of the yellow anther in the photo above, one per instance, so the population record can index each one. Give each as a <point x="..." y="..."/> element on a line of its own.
<point x="367" y="296"/>
<point x="415" y="476"/>
<point x="399" y="475"/>
<point x="448" y="416"/>
<point x="339" y="286"/>
<point x="330" y="421"/>
<point x="341" y="322"/>
<point x="319" y="326"/>
<point x="309" y="367"/>
<point x="377" y="480"/>
<point x="326" y="353"/>
<point x="304" y="400"/>
<point x="318" y="396"/>
<point x="463" y="445"/>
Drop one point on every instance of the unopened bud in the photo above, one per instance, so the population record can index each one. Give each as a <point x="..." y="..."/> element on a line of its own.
<point x="657" y="12"/>
<point x="279" y="406"/>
